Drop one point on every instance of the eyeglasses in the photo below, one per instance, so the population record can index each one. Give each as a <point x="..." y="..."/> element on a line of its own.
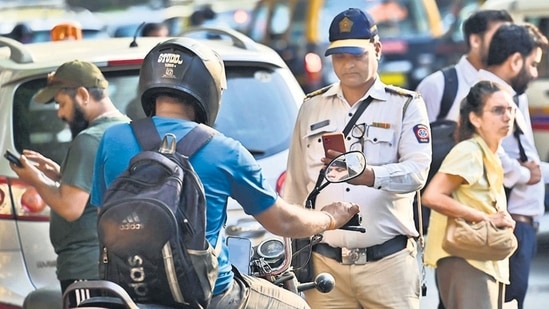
<point x="358" y="133"/>
<point x="501" y="110"/>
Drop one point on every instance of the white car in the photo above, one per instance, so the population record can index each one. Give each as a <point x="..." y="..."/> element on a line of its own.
<point x="258" y="108"/>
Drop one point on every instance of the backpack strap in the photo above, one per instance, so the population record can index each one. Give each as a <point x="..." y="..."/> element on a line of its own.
<point x="149" y="139"/>
<point x="450" y="90"/>
<point x="146" y="134"/>
<point x="195" y="139"/>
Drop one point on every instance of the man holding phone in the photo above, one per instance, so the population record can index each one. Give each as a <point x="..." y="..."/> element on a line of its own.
<point x="393" y="133"/>
<point x="80" y="90"/>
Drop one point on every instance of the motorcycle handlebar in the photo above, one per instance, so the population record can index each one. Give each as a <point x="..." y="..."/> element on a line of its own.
<point x="324" y="283"/>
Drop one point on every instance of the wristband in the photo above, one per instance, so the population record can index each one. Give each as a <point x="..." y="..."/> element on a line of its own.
<point x="332" y="221"/>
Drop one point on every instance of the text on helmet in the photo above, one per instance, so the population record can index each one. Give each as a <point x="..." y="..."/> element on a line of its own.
<point x="170" y="58"/>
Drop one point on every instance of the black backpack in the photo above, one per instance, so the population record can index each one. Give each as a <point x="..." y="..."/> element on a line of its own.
<point x="152" y="223"/>
<point x="442" y="130"/>
<point x="442" y="135"/>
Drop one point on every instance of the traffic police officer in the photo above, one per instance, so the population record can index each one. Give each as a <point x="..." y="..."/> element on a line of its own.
<point x="378" y="268"/>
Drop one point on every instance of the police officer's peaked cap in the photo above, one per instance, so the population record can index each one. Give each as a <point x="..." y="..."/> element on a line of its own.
<point x="350" y="32"/>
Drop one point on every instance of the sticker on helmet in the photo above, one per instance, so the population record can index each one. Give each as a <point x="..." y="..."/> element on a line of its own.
<point x="170" y="58"/>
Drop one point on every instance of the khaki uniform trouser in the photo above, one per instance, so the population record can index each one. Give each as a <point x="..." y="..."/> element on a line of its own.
<point x="392" y="282"/>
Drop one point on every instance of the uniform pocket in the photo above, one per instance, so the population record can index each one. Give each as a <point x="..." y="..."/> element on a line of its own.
<point x="378" y="145"/>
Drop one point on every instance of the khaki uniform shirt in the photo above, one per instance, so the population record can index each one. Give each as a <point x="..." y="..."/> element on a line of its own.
<point x="396" y="144"/>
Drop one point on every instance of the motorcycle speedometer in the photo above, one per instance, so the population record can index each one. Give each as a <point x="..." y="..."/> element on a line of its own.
<point x="271" y="249"/>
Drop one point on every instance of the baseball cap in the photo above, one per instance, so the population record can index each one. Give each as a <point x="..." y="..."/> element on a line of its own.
<point x="350" y="32"/>
<point x="71" y="74"/>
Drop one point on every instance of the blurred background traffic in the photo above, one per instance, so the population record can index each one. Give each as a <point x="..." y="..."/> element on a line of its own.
<point x="418" y="36"/>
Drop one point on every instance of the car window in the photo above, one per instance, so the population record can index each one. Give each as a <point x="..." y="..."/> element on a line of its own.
<point x="37" y="127"/>
<point x="45" y="35"/>
<point x="255" y="109"/>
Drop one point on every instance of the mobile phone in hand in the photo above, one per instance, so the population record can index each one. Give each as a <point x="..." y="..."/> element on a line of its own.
<point x="13" y="158"/>
<point x="334" y="141"/>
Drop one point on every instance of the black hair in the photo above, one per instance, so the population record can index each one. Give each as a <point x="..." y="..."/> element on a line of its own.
<point x="479" y="22"/>
<point x="513" y="38"/>
<point x="474" y="102"/>
<point x="149" y="28"/>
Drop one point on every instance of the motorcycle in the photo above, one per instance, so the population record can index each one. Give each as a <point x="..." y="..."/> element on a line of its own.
<point x="271" y="259"/>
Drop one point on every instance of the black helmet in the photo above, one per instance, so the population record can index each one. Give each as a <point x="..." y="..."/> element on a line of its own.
<point x="183" y="67"/>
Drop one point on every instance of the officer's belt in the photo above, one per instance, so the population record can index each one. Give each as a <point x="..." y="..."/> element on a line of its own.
<point x="373" y="253"/>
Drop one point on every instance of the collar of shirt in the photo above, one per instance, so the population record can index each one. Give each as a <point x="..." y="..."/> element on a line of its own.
<point x="487" y="75"/>
<point x="377" y="91"/>
<point x="470" y="73"/>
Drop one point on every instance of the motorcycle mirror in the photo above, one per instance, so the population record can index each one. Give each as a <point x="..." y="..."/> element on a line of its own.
<point x="345" y="167"/>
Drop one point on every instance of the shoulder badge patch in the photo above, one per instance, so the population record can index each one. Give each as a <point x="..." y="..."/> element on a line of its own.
<point x="317" y="92"/>
<point x="401" y="91"/>
<point x="422" y="133"/>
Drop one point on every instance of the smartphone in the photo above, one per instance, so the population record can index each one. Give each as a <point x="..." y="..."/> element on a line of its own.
<point x="240" y="253"/>
<point x="334" y="141"/>
<point x="13" y="158"/>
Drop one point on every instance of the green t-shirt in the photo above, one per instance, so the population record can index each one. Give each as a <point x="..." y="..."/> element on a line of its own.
<point x="76" y="242"/>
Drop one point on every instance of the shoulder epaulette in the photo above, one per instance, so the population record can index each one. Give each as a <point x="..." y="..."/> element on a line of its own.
<point x="401" y="91"/>
<point x="317" y="92"/>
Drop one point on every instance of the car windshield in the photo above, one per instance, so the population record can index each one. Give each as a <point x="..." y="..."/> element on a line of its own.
<point x="256" y="109"/>
<point x="394" y="18"/>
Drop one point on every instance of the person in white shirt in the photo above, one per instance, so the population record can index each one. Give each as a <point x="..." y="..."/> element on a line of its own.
<point x="477" y="31"/>
<point x="376" y="269"/>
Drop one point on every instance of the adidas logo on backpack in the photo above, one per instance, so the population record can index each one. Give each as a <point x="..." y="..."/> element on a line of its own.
<point x="152" y="222"/>
<point x="131" y="222"/>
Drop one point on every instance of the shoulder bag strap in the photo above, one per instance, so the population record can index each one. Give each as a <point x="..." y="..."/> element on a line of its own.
<point x="491" y="188"/>
<point x="421" y="243"/>
<point x="359" y="111"/>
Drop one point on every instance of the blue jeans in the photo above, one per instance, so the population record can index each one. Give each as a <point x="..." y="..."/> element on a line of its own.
<point x="520" y="261"/>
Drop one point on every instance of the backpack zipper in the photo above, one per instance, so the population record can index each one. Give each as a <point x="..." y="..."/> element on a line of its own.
<point x="104" y="256"/>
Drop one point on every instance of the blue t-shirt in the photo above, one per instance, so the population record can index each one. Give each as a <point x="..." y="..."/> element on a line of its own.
<point x="224" y="166"/>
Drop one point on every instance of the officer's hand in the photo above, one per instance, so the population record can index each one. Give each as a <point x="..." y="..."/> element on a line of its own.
<point x="342" y="212"/>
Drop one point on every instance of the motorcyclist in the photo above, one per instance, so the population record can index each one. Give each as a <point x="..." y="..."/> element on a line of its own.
<point x="181" y="82"/>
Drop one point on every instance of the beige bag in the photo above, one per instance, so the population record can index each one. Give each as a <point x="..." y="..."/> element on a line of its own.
<point x="481" y="241"/>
